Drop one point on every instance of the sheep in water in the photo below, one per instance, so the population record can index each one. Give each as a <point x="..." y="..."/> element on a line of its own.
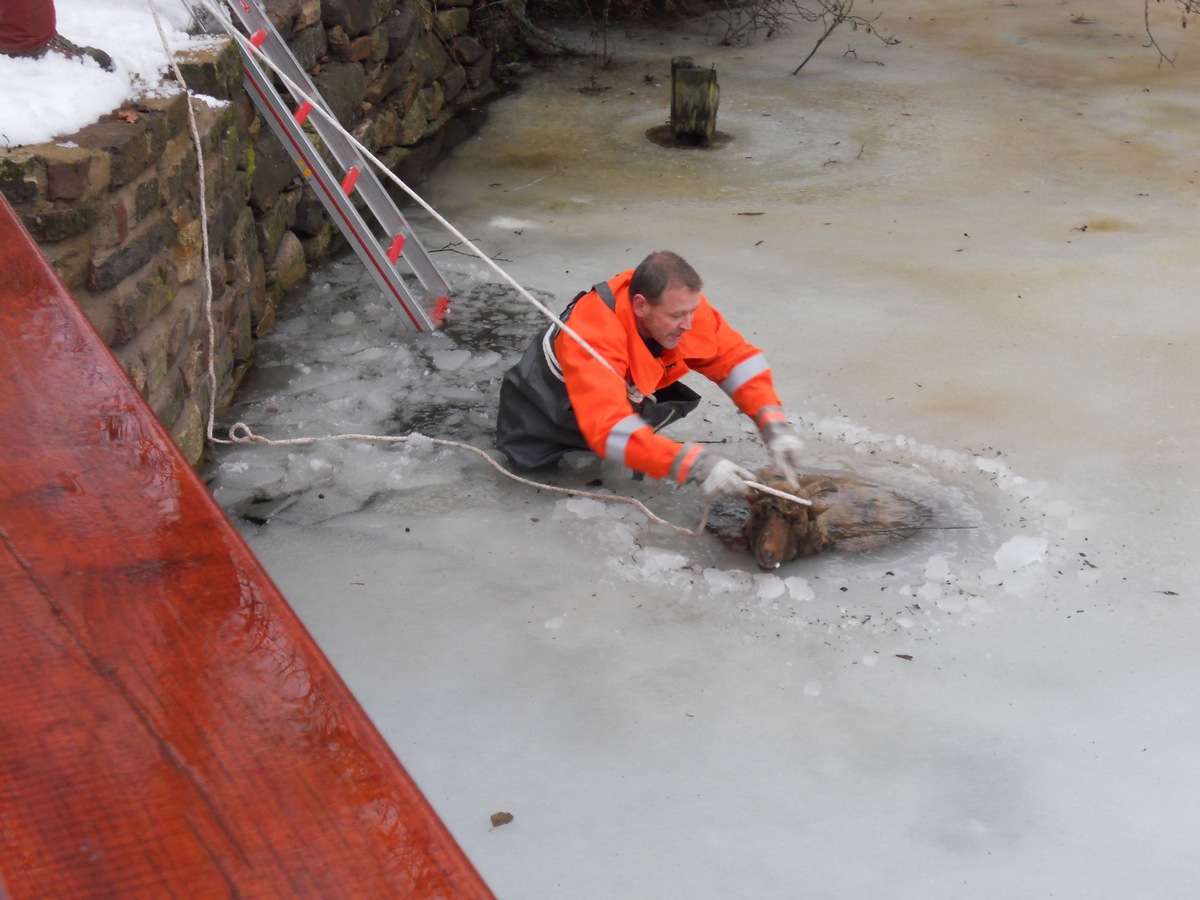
<point x="851" y="516"/>
<point x="778" y="530"/>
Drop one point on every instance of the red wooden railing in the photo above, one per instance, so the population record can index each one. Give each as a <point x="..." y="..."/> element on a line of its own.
<point x="167" y="725"/>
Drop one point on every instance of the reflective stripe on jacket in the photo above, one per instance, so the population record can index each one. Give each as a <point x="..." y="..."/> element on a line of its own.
<point x="560" y="394"/>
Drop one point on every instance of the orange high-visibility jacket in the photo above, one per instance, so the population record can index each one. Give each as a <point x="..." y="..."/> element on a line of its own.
<point x="599" y="401"/>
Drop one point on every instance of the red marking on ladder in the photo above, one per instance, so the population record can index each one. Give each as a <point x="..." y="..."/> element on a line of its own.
<point x="438" y="314"/>
<point x="350" y="180"/>
<point x="258" y="37"/>
<point x="302" y="112"/>
<point x="245" y="6"/>
<point x="394" y="249"/>
<point x="268" y="102"/>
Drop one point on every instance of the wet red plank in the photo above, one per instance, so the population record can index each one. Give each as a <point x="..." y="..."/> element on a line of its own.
<point x="167" y="726"/>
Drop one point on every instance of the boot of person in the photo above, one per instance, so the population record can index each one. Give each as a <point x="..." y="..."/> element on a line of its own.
<point x="60" y="46"/>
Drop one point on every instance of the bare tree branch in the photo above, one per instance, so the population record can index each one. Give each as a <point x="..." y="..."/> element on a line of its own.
<point x="744" y="20"/>
<point x="1187" y="8"/>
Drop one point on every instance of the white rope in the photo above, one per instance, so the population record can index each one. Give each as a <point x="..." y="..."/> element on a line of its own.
<point x="205" y="252"/>
<point x="240" y="433"/>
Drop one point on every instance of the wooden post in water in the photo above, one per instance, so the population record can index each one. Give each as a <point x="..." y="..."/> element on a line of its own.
<point x="694" y="98"/>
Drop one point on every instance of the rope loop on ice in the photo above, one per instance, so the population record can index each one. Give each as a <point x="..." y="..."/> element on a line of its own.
<point x="241" y="433"/>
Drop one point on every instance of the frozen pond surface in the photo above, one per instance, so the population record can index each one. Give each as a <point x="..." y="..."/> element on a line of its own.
<point x="973" y="269"/>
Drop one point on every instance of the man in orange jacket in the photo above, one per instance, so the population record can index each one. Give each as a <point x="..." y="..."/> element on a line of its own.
<point x="651" y="326"/>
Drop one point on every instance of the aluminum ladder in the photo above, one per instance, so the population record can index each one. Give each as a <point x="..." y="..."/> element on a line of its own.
<point x="336" y="190"/>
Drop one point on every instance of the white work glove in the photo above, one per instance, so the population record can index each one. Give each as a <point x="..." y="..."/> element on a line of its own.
<point x="785" y="448"/>
<point x="718" y="476"/>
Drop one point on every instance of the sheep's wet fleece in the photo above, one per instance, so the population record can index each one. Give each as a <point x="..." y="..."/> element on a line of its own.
<point x="847" y="514"/>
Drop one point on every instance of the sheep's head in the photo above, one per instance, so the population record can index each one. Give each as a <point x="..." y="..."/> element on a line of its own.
<point x="778" y="530"/>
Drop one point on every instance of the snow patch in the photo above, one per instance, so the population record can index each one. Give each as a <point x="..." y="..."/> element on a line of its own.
<point x="653" y="561"/>
<point x="584" y="507"/>
<point x="720" y="581"/>
<point x="508" y="222"/>
<point x="771" y="587"/>
<point x="799" y="589"/>
<point x="1020" y="552"/>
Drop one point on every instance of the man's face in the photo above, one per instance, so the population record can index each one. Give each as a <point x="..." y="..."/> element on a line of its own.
<point x="670" y="318"/>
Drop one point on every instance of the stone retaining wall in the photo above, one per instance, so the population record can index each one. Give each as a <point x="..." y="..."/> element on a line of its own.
<point x="116" y="207"/>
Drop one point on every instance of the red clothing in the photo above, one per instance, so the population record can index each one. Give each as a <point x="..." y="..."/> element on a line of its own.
<point x="600" y="400"/>
<point x="26" y="25"/>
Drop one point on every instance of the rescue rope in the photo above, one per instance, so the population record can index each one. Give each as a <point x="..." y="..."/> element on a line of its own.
<point x="205" y="250"/>
<point x="239" y="432"/>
